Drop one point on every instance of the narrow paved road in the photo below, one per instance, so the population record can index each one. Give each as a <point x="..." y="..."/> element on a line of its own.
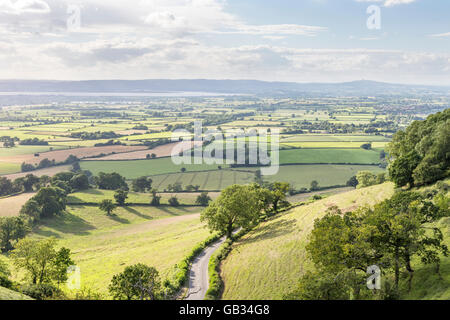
<point x="198" y="275"/>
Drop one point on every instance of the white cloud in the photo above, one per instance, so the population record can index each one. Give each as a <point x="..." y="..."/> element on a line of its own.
<point x="19" y="7"/>
<point x="440" y="35"/>
<point x="389" y="3"/>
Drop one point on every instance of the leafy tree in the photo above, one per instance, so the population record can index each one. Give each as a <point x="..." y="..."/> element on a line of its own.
<point x="79" y="182"/>
<point x="173" y="201"/>
<point x="156" y="199"/>
<point x="203" y="199"/>
<point x="320" y="286"/>
<point x="6" y="186"/>
<point x="29" y="181"/>
<point x="40" y="260"/>
<point x="366" y="146"/>
<point x="12" y="229"/>
<point x="420" y="154"/>
<point x="352" y="182"/>
<point x="61" y="262"/>
<point x="176" y="187"/>
<point x="366" y="179"/>
<point x="31" y="211"/>
<point x="142" y="184"/>
<point x="279" y="192"/>
<point x="237" y="206"/>
<point x="121" y="196"/>
<point x="136" y="282"/>
<point x="110" y="181"/>
<point x="398" y="227"/>
<point x="51" y="200"/>
<point x="107" y="206"/>
<point x="314" y="185"/>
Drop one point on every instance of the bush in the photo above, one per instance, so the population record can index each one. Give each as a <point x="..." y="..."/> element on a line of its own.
<point x="42" y="291"/>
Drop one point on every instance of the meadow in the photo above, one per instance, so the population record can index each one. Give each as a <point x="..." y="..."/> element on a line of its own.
<point x="269" y="260"/>
<point x="102" y="246"/>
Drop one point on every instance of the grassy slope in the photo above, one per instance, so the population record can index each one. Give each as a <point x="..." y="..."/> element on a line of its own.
<point x="103" y="246"/>
<point x="6" y="294"/>
<point x="267" y="263"/>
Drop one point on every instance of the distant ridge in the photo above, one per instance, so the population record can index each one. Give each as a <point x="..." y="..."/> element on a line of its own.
<point x="361" y="87"/>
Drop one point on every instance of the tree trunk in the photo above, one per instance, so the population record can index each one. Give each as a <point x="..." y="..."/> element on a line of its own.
<point x="409" y="268"/>
<point x="396" y="268"/>
<point x="229" y="230"/>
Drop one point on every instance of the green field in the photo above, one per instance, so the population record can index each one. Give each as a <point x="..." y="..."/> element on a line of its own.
<point x="7" y="167"/>
<point x="136" y="168"/>
<point x="21" y="150"/>
<point x="103" y="246"/>
<point x="299" y="176"/>
<point x="358" y="156"/>
<point x="267" y="262"/>
<point x="6" y="294"/>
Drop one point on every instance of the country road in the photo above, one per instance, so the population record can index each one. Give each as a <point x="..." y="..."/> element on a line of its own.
<point x="198" y="275"/>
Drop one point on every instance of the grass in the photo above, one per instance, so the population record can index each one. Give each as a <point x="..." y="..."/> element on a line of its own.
<point x="267" y="262"/>
<point x="332" y="144"/>
<point x="136" y="168"/>
<point x="6" y="294"/>
<point x="359" y="156"/>
<point x="8" y="168"/>
<point x="103" y="246"/>
<point x="21" y="150"/>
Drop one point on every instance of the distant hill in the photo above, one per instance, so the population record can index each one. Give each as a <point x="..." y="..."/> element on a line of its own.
<point x="364" y="87"/>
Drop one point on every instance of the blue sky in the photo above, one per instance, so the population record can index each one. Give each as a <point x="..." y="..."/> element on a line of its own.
<point x="302" y="40"/>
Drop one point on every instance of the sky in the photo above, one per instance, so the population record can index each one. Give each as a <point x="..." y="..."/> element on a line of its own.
<point x="397" y="41"/>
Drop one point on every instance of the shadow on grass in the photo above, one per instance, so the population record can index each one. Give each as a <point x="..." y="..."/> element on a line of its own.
<point x="273" y="230"/>
<point x="119" y="219"/>
<point x="65" y="223"/>
<point x="135" y="212"/>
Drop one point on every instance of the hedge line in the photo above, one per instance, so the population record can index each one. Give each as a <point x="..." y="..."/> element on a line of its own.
<point x="180" y="272"/>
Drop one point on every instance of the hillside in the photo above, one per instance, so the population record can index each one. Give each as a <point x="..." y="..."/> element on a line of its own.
<point x="267" y="262"/>
<point x="6" y="294"/>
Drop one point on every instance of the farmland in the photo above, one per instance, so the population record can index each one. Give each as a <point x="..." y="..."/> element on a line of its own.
<point x="324" y="142"/>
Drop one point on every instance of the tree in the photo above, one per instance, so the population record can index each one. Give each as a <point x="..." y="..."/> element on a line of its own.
<point x="142" y="184"/>
<point x="173" y="201"/>
<point x="314" y="185"/>
<point x="319" y="286"/>
<point x="203" y="199"/>
<point x="110" y="181"/>
<point x="156" y="199"/>
<point x="31" y="211"/>
<point x="419" y="155"/>
<point x="279" y="192"/>
<point x="401" y="169"/>
<point x="107" y="206"/>
<point x="366" y="179"/>
<point x="398" y="227"/>
<point x="237" y="206"/>
<point x="51" y="200"/>
<point x="29" y="182"/>
<point x="352" y="182"/>
<point x="5" y="186"/>
<point x="136" y="282"/>
<point x="366" y="146"/>
<point x="12" y="229"/>
<point x="61" y="262"/>
<point x="121" y="196"/>
<point x="40" y="259"/>
<point x="79" y="182"/>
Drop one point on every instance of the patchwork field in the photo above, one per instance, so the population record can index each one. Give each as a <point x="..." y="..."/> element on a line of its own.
<point x="358" y="156"/>
<point x="136" y="168"/>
